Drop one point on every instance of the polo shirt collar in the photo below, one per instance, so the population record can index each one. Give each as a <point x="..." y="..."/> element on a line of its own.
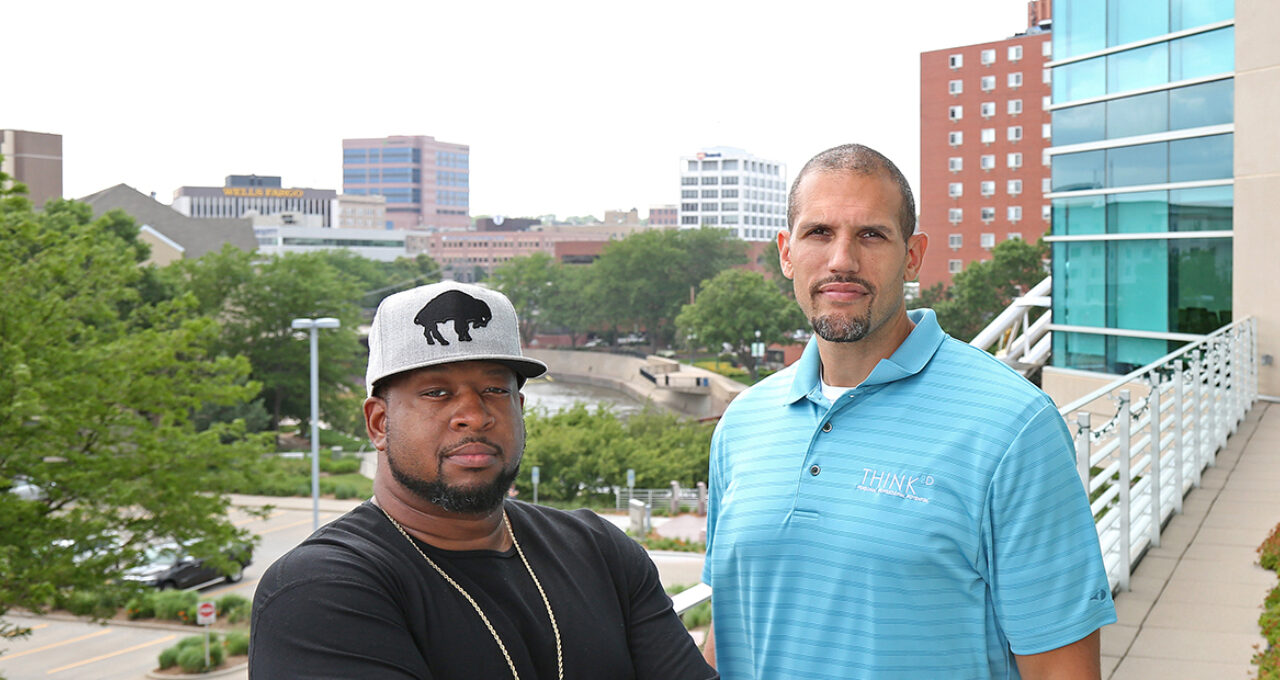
<point x="909" y="359"/>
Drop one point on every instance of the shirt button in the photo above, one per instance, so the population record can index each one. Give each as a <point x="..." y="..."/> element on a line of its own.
<point x="826" y="427"/>
<point x="814" y="470"/>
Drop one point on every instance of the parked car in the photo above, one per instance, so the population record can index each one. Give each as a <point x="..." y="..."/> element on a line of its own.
<point x="169" y="565"/>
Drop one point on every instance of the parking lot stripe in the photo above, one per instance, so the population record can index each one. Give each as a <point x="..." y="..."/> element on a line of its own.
<point x="323" y="516"/>
<point x="6" y="657"/>
<point x="115" y="653"/>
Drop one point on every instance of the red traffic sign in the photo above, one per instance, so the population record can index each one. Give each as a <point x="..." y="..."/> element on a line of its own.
<point x="205" y="614"/>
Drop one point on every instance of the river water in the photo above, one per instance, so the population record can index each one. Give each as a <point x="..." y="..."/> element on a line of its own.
<point x="557" y="396"/>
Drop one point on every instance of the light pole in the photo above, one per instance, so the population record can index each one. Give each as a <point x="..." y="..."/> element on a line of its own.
<point x="312" y="325"/>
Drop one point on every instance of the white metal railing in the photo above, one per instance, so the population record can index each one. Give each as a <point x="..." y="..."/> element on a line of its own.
<point x="1165" y="423"/>
<point x="1020" y="342"/>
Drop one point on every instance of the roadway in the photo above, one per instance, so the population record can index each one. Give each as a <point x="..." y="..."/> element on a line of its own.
<point x="66" y="648"/>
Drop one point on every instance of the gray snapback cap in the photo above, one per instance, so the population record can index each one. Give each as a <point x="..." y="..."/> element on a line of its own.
<point x="443" y="323"/>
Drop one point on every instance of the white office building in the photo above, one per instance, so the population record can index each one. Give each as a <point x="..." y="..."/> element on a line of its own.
<point x="729" y="188"/>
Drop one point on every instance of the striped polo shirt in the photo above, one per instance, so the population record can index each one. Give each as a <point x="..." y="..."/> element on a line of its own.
<point x="928" y="524"/>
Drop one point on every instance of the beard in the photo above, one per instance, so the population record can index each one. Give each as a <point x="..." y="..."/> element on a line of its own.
<point x="839" y="328"/>
<point x="465" y="500"/>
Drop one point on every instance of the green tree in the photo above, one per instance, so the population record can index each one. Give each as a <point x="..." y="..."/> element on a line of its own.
<point x="570" y="307"/>
<point x="256" y="302"/>
<point x="97" y="391"/>
<point x="987" y="287"/>
<point x="581" y="450"/>
<point x="645" y="278"/>
<point x="529" y="282"/>
<point x="733" y="307"/>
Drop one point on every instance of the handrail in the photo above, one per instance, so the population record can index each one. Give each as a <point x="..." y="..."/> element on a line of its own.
<point x="1135" y="469"/>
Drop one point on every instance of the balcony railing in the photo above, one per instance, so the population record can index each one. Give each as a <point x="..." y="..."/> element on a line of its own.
<point x="1159" y="428"/>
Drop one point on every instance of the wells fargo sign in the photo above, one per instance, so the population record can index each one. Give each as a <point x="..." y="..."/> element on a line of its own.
<point x="253" y="192"/>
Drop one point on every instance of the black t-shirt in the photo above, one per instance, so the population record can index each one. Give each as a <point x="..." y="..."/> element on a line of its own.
<point x="355" y="600"/>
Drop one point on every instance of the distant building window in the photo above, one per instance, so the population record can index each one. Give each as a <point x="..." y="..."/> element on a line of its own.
<point x="1015" y="133"/>
<point x="955" y="164"/>
<point x="1015" y="79"/>
<point x="1045" y="185"/>
<point x="987" y="109"/>
<point x="955" y="266"/>
<point x="686" y="181"/>
<point x="988" y="214"/>
<point x="1015" y="213"/>
<point x="1015" y="107"/>
<point x="710" y="165"/>
<point x="1046" y="77"/>
<point x="1046" y="101"/>
<point x="1046" y="48"/>
<point x="689" y="219"/>
<point x="988" y="57"/>
<point x="1046" y="130"/>
<point x="1046" y="212"/>
<point x="987" y="240"/>
<point x="955" y="86"/>
<point x="710" y="180"/>
<point x="987" y="188"/>
<point x="689" y="207"/>
<point x="689" y="193"/>
<point x="728" y="165"/>
<point x="955" y="112"/>
<point x="988" y="135"/>
<point x="1013" y="235"/>
<point x="955" y="241"/>
<point x="955" y="60"/>
<point x="1014" y="160"/>
<point x="1044" y="158"/>
<point x="988" y="83"/>
<point x="955" y="138"/>
<point x="987" y="162"/>
<point x="1015" y="52"/>
<point x="1014" y="187"/>
<point x="955" y="215"/>
<point x="955" y="189"/>
<point x="710" y="207"/>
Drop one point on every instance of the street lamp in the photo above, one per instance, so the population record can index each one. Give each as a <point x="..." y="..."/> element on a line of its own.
<point x="312" y="325"/>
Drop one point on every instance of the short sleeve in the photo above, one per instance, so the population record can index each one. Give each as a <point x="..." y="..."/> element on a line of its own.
<point x="1046" y="573"/>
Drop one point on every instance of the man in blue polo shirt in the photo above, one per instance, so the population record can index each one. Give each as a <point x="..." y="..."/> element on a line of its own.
<point x="896" y="504"/>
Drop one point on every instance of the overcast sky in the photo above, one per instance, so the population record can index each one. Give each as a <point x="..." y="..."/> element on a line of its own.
<point x="569" y="107"/>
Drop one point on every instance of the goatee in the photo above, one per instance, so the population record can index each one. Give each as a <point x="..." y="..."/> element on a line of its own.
<point x="465" y="500"/>
<point x="836" y="328"/>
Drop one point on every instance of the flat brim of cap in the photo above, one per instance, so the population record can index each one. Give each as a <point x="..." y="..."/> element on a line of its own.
<point x="523" y="367"/>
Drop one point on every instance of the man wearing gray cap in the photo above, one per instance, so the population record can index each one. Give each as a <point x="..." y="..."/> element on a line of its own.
<point x="440" y="575"/>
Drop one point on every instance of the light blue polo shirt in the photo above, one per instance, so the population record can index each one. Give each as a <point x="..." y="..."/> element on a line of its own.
<point x="926" y="525"/>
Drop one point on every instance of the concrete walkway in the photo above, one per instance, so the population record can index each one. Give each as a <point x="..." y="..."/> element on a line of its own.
<point x="1192" y="611"/>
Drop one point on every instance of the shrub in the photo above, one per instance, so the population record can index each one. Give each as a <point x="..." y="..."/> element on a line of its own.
<point x="81" y="603"/>
<point x="191" y="659"/>
<point x="1269" y="622"/>
<point x="169" y="657"/>
<point x="237" y="643"/>
<point x="1268" y="663"/>
<point x="343" y="491"/>
<point x="142" y="606"/>
<point x="233" y="608"/>
<point x="1269" y="551"/>
<point x="177" y="605"/>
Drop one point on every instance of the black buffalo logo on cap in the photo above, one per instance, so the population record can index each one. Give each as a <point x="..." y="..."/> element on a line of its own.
<point x="463" y="310"/>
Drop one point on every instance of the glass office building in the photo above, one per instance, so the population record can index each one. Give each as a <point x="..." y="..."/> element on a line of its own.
<point x="1142" y="185"/>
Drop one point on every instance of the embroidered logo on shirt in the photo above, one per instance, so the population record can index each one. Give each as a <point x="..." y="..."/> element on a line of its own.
<point x="912" y="487"/>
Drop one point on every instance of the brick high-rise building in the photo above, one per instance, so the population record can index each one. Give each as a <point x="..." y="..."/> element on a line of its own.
<point x="984" y="128"/>
<point x="426" y="182"/>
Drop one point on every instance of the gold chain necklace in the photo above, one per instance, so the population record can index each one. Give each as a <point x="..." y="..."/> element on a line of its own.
<point x="496" y="638"/>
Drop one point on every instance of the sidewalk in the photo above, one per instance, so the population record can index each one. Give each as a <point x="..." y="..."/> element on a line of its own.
<point x="1192" y="610"/>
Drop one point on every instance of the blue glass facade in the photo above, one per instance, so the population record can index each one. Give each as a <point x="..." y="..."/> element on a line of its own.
<point x="1141" y="165"/>
<point x="405" y="175"/>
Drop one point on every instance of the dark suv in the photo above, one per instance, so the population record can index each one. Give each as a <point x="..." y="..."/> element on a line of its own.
<point x="168" y="565"/>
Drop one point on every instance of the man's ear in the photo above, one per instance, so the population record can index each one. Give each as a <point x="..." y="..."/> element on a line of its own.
<point x="375" y="422"/>
<point x="916" y="245"/>
<point x="784" y="254"/>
